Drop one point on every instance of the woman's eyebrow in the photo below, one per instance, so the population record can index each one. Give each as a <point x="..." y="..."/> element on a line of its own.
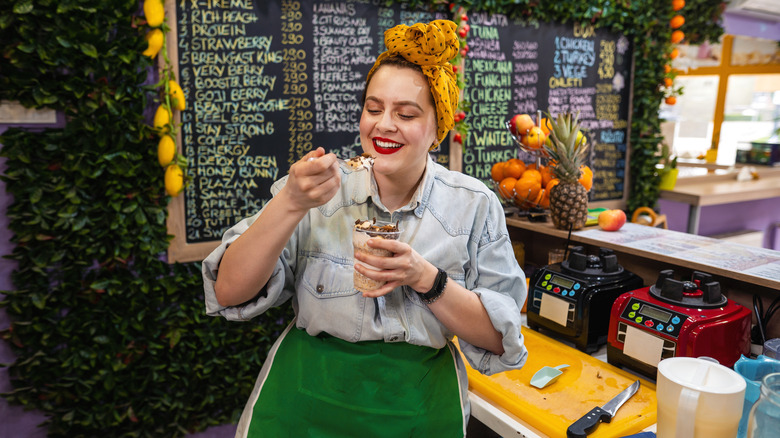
<point x="400" y="103"/>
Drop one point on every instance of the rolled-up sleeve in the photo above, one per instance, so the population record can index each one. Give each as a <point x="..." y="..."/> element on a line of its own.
<point x="501" y="286"/>
<point x="277" y="290"/>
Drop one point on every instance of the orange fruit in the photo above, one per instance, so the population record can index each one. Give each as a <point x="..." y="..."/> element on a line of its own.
<point x="678" y="4"/>
<point x="553" y="182"/>
<point x="675" y="53"/>
<point x="539" y="197"/>
<point x="514" y="168"/>
<point x="533" y="173"/>
<point x="668" y="82"/>
<point x="547" y="175"/>
<point x="677" y="21"/>
<point x="527" y="189"/>
<point x="506" y="187"/>
<point x="497" y="171"/>
<point x="586" y="177"/>
<point x="534" y="139"/>
<point x="546" y="126"/>
<point x="531" y="166"/>
<point x="667" y="68"/>
<point x="544" y="201"/>
<point x="677" y="36"/>
<point x="671" y="100"/>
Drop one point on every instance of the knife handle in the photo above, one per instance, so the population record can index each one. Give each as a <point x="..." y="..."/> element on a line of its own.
<point x="587" y="424"/>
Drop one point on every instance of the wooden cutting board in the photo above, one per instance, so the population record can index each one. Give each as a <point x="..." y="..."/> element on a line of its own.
<point x="587" y="382"/>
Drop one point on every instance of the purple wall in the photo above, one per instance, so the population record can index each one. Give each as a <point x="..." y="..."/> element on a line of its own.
<point x="761" y="215"/>
<point x="14" y="420"/>
<point x="738" y="24"/>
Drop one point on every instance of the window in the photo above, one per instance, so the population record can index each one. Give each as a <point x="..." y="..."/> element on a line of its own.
<point x="731" y="98"/>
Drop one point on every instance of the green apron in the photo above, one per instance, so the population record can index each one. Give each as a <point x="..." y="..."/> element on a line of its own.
<point x="322" y="386"/>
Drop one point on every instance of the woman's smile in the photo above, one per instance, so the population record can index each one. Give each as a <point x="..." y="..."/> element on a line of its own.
<point x="386" y="147"/>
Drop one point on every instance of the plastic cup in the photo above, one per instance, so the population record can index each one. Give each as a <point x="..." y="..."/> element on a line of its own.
<point x="359" y="242"/>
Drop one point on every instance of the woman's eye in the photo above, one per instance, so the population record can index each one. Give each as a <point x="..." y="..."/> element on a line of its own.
<point x="373" y="111"/>
<point x="406" y="116"/>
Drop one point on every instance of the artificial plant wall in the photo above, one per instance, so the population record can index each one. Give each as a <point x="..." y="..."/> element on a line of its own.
<point x="110" y="339"/>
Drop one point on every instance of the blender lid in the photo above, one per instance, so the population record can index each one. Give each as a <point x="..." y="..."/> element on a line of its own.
<point x="579" y="263"/>
<point x="701" y="292"/>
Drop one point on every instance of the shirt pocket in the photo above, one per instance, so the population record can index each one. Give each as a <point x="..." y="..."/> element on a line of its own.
<point x="325" y="278"/>
<point x="328" y="301"/>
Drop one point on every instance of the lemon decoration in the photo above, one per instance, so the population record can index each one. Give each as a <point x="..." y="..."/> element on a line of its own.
<point x="166" y="149"/>
<point x="162" y="119"/>
<point x="154" y="39"/>
<point x="581" y="138"/>
<point x="177" y="95"/>
<point x="154" y="11"/>
<point x="174" y="180"/>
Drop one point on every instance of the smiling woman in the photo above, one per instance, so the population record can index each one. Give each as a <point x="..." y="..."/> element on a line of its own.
<point x="451" y="272"/>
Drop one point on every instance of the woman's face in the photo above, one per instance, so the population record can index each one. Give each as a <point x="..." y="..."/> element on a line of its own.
<point x="398" y="124"/>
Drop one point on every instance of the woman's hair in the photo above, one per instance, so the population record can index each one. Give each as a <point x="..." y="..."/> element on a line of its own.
<point x="398" y="61"/>
<point x="429" y="48"/>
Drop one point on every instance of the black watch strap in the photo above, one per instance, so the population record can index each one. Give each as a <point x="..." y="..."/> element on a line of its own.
<point x="438" y="288"/>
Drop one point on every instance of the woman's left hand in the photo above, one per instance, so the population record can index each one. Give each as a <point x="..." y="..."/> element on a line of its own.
<point x="405" y="267"/>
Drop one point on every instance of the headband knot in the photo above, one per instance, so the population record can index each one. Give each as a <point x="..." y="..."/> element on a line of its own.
<point x="431" y="46"/>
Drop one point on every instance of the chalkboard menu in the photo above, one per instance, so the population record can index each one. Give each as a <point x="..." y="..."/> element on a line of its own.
<point x="268" y="81"/>
<point x="514" y="68"/>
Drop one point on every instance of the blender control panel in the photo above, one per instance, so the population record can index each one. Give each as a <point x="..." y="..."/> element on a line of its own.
<point x="558" y="284"/>
<point x="653" y="317"/>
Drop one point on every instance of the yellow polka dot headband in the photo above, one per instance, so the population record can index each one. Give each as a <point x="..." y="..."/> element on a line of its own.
<point x="431" y="46"/>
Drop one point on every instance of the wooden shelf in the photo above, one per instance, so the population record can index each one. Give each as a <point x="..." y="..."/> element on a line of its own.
<point x="625" y="242"/>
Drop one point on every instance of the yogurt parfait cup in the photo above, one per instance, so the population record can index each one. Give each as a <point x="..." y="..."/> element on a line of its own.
<point x="361" y="233"/>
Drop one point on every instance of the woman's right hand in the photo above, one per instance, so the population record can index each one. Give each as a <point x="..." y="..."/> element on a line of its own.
<point x="313" y="180"/>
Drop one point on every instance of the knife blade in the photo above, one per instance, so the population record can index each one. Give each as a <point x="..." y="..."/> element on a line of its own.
<point x="588" y="423"/>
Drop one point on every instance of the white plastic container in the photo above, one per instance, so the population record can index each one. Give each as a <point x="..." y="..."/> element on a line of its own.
<point x="698" y="398"/>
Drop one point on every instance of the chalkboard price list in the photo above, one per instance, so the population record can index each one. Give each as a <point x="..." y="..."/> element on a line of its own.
<point x="295" y="70"/>
<point x="224" y="68"/>
<point x="343" y="53"/>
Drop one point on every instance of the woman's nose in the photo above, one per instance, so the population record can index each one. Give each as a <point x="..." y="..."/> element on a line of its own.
<point x="386" y="122"/>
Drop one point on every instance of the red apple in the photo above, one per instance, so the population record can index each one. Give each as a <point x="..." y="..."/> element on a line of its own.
<point x="520" y="124"/>
<point x="612" y="220"/>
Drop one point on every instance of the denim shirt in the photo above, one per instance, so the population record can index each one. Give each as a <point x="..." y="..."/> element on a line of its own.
<point x="453" y="220"/>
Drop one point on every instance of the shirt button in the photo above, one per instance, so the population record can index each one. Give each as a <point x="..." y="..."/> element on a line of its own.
<point x="320" y="288"/>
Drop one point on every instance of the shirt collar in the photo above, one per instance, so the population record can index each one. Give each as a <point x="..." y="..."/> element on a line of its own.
<point x="368" y="188"/>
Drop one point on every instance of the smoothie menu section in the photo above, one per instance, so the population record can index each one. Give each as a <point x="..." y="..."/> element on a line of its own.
<point x="267" y="82"/>
<point x="514" y="68"/>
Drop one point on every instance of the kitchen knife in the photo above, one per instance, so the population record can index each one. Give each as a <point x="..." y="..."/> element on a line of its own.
<point x="588" y="423"/>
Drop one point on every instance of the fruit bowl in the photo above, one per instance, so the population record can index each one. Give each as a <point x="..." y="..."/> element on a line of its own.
<point x="516" y="204"/>
<point x="520" y="187"/>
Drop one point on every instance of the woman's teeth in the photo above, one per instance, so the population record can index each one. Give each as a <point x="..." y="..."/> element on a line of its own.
<point x="387" y="144"/>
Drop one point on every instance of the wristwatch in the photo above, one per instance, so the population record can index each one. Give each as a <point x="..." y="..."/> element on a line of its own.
<point x="438" y="288"/>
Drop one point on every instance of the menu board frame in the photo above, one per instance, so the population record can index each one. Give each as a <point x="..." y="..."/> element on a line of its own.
<point x="180" y="250"/>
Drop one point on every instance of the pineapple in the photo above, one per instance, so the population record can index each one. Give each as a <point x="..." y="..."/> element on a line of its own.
<point x="568" y="199"/>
